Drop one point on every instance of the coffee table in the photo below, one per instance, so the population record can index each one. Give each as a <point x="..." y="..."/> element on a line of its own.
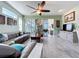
<point x="36" y="38"/>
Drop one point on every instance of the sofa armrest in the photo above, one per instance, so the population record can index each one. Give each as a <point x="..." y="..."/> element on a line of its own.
<point x="26" y="51"/>
<point x="22" y="39"/>
<point x="36" y="52"/>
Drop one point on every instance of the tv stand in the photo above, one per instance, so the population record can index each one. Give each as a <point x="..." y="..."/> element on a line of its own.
<point x="66" y="35"/>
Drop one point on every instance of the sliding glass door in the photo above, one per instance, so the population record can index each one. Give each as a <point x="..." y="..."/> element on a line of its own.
<point x="45" y="27"/>
<point x="30" y="26"/>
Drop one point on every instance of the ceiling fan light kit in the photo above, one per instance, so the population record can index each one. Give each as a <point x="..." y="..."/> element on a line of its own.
<point x="40" y="8"/>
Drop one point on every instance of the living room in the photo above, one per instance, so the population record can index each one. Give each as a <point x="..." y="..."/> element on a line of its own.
<point x="28" y="29"/>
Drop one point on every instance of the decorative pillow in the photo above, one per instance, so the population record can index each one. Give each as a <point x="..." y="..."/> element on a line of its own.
<point x="18" y="47"/>
<point x="2" y="39"/>
<point x="6" y="36"/>
<point x="1" y="35"/>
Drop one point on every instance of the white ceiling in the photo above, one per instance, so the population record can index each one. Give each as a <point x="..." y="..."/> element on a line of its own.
<point x="53" y="6"/>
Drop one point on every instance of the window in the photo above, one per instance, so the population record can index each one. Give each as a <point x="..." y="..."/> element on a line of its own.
<point x="9" y="21"/>
<point x="20" y="24"/>
<point x="9" y="13"/>
<point x="30" y="26"/>
<point x="45" y="27"/>
<point x="45" y="24"/>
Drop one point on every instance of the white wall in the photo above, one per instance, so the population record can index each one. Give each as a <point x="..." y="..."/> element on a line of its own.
<point x="76" y="9"/>
<point x="7" y="28"/>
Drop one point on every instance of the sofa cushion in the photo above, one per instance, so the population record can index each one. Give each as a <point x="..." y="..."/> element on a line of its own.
<point x="12" y="35"/>
<point x="1" y="35"/>
<point x="18" y="47"/>
<point x="6" y="36"/>
<point x="2" y="38"/>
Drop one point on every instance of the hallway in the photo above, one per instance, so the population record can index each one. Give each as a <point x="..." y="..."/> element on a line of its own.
<point x="56" y="47"/>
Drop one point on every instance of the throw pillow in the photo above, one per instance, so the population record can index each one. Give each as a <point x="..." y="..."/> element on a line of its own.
<point x="18" y="47"/>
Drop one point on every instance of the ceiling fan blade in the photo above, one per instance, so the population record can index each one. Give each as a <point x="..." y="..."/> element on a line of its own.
<point x="45" y="10"/>
<point x="43" y="3"/>
<point x="31" y="7"/>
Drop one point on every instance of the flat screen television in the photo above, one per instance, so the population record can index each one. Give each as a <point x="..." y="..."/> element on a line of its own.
<point x="68" y="27"/>
<point x="64" y="27"/>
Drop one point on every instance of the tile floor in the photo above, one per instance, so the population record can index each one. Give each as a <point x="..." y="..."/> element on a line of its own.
<point x="56" y="47"/>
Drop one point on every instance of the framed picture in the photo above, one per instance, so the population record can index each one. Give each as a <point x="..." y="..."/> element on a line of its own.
<point x="10" y="21"/>
<point x="70" y="17"/>
<point x="2" y="19"/>
<point x="14" y="22"/>
<point x="58" y="23"/>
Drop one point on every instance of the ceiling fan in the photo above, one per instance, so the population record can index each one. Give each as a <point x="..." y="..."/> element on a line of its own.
<point x="40" y="9"/>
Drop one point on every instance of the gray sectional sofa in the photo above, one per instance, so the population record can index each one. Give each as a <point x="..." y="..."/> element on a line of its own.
<point x="10" y="37"/>
<point x="25" y="40"/>
<point x="27" y="50"/>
